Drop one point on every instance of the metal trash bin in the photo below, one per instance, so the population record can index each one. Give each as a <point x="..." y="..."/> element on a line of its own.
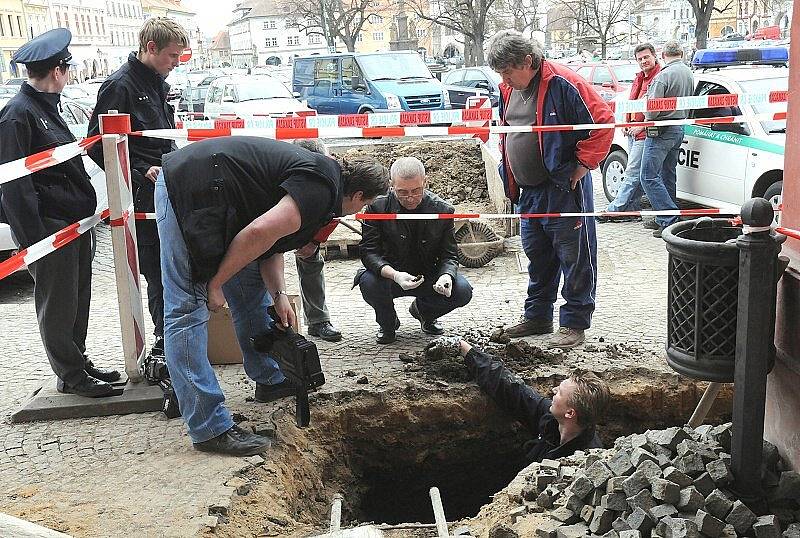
<point x="703" y="297"/>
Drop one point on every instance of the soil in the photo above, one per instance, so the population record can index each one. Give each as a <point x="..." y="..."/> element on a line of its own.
<point x="455" y="168"/>
<point x="383" y="450"/>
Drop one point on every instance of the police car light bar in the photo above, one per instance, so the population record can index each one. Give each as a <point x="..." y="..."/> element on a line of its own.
<point x="706" y="58"/>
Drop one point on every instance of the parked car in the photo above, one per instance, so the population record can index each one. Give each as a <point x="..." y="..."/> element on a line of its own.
<point x="14" y="82"/>
<point x="351" y="83"/>
<point x="469" y="81"/>
<point x="77" y="118"/>
<point x="249" y="96"/>
<point x="724" y="164"/>
<point x="765" y="32"/>
<point x="194" y="101"/>
<point x="80" y="94"/>
<point x="92" y="86"/>
<point x="609" y="78"/>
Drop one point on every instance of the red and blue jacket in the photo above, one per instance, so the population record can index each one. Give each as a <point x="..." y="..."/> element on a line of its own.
<point x="564" y="98"/>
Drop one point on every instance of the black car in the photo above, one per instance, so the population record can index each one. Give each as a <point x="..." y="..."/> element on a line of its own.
<point x="470" y="81"/>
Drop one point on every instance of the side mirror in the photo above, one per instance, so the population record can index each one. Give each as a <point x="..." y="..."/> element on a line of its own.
<point x="608" y="84"/>
<point x="483" y="85"/>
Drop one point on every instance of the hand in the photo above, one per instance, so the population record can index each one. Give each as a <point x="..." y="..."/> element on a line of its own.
<point x="407" y="281"/>
<point x="283" y="307"/>
<point x="633" y="131"/>
<point x="216" y="299"/>
<point x="307" y="250"/>
<point x="442" y="347"/>
<point x="152" y="173"/>
<point x="464" y="347"/>
<point x="579" y="172"/>
<point x="444" y="286"/>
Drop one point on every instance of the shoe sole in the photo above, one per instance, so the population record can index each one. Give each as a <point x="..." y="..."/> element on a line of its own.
<point x="529" y="333"/>
<point x="254" y="451"/>
<point x="326" y="338"/>
<point x="566" y="346"/>
<point x="276" y="396"/>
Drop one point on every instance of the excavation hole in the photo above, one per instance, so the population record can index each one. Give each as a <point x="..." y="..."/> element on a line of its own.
<point x="384" y="450"/>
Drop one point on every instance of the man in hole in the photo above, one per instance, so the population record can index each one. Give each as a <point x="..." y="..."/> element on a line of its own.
<point x="562" y="425"/>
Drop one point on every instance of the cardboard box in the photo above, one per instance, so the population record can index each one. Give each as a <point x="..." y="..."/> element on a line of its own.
<point x="223" y="347"/>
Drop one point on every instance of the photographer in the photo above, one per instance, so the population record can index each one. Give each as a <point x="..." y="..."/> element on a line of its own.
<point x="227" y="209"/>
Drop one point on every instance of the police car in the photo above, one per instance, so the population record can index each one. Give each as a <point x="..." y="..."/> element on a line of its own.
<point x="724" y="164"/>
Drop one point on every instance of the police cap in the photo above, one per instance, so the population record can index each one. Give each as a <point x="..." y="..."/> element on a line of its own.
<point x="49" y="49"/>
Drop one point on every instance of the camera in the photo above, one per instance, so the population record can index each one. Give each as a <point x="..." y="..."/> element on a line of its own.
<point x="169" y="405"/>
<point x="155" y="369"/>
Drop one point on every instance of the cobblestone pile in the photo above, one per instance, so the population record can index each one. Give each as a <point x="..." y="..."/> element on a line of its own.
<point x="666" y="483"/>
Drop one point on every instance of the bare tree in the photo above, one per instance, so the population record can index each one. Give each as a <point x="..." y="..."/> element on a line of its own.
<point x="342" y="19"/>
<point x="598" y="20"/>
<point x="703" y="9"/>
<point x="471" y="18"/>
<point x="522" y="15"/>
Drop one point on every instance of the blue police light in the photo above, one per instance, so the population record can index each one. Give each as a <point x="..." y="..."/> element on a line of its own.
<point x="706" y="58"/>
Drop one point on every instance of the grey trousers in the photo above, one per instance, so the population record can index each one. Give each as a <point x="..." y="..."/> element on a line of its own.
<point x="312" y="288"/>
<point x="62" y="292"/>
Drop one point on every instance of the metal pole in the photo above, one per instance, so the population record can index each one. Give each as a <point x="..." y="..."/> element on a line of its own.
<point x="336" y="513"/>
<point x="704" y="405"/>
<point x="438" y="513"/>
<point x="755" y="334"/>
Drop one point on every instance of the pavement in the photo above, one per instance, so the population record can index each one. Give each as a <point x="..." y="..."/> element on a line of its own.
<point x="139" y="475"/>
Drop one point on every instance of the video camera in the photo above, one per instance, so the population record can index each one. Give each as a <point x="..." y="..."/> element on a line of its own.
<point x="298" y="359"/>
<point x="155" y="372"/>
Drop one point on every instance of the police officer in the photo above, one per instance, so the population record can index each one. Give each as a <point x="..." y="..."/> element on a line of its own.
<point x="138" y="88"/>
<point x="44" y="202"/>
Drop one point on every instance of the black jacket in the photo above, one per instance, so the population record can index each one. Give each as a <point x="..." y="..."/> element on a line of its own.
<point x="527" y="406"/>
<point x="29" y="123"/>
<point x="407" y="244"/>
<point x="137" y="90"/>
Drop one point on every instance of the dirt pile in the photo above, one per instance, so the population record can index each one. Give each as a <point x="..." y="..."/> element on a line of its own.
<point x="455" y="168"/>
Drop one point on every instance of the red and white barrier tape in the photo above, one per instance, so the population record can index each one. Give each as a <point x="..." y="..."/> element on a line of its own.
<point x="428" y="117"/>
<point x="44" y="159"/>
<point x="371" y="132"/>
<point x="49" y="244"/>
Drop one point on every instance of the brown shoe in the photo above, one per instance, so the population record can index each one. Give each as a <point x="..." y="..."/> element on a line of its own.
<point x="529" y="327"/>
<point x="567" y="338"/>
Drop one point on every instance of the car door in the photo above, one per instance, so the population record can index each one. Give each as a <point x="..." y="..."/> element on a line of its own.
<point x="712" y="160"/>
<point x="326" y="85"/>
<point x="454" y="83"/>
<point x="213" y="98"/>
<point x="353" y="91"/>
<point x="228" y="105"/>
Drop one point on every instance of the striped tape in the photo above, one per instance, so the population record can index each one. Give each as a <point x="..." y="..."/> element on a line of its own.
<point x="44" y="159"/>
<point x="280" y="133"/>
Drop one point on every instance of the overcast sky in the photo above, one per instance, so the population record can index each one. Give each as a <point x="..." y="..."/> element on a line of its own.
<point x="211" y="16"/>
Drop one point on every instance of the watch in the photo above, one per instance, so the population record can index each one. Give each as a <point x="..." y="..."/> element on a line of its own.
<point x="278" y="292"/>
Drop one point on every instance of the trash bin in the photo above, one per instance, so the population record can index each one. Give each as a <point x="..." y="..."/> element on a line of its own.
<point x="703" y="297"/>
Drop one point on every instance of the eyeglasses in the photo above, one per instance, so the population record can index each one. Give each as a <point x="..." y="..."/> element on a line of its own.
<point x="409" y="194"/>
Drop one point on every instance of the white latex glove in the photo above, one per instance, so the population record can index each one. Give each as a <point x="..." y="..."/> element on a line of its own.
<point x="407" y="281"/>
<point x="444" y="286"/>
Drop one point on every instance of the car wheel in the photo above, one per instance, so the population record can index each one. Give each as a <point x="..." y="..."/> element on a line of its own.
<point x="614" y="173"/>
<point x="775" y="195"/>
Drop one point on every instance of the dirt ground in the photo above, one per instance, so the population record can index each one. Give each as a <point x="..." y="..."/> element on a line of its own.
<point x="455" y="168"/>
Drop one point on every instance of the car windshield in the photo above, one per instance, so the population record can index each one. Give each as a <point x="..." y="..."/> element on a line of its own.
<point x="765" y="85"/>
<point x="261" y="88"/>
<point x="390" y="66"/>
<point x="626" y="73"/>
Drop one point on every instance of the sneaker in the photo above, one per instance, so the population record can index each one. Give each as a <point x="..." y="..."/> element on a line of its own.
<point x="270" y="393"/>
<point x="236" y="442"/>
<point x="103" y="374"/>
<point x="428" y="327"/>
<point x="325" y="330"/>
<point x="650" y="224"/>
<point x="628" y="218"/>
<point x="657" y="232"/>
<point x="386" y="335"/>
<point x="567" y="338"/>
<point x="528" y="327"/>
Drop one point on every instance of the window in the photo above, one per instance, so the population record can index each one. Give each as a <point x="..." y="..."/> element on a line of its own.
<point x="304" y="72"/>
<point x="377" y="36"/>
<point x="454" y="77"/>
<point x="315" y="39"/>
<point x="58" y="19"/>
<point x="272" y="42"/>
<point x="360" y="37"/>
<point x="97" y="23"/>
<point x="710" y="88"/>
<point x="375" y="19"/>
<point x="421" y="32"/>
<point x="2" y="30"/>
<point x="351" y="73"/>
<point x="601" y="75"/>
<point x="293" y="40"/>
<point x="270" y="25"/>
<point x="19" y="26"/>
<point x="325" y="70"/>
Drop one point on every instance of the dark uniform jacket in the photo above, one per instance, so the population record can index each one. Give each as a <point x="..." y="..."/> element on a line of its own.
<point x="219" y="186"/>
<point x="31" y="123"/>
<point x="426" y="247"/>
<point x="137" y="90"/>
<point x="527" y="406"/>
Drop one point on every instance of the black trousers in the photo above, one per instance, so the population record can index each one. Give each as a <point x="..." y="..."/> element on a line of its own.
<point x="150" y="266"/>
<point x="62" y="292"/>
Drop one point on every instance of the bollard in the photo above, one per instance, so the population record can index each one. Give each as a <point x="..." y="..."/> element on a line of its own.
<point x="438" y="513"/>
<point x="336" y="513"/>
<point x="755" y="334"/>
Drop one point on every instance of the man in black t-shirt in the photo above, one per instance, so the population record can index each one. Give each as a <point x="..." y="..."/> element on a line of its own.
<point x="227" y="209"/>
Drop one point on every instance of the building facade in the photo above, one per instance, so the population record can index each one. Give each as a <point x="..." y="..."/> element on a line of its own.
<point x="124" y="19"/>
<point x="37" y="15"/>
<point x="13" y="34"/>
<point x="220" y="50"/>
<point x="86" y="19"/>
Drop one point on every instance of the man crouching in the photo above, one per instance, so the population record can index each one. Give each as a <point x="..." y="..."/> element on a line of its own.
<point x="410" y="257"/>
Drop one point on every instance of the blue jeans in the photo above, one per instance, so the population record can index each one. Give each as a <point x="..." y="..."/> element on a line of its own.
<point x="557" y="246"/>
<point x="657" y="175"/>
<point x="380" y="293"/>
<point x="629" y="195"/>
<point x="186" y="316"/>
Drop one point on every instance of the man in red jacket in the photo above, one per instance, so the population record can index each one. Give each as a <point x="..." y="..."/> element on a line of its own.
<point x="629" y="195"/>
<point x="548" y="172"/>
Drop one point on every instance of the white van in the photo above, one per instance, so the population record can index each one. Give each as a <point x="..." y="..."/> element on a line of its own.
<point x="251" y="96"/>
